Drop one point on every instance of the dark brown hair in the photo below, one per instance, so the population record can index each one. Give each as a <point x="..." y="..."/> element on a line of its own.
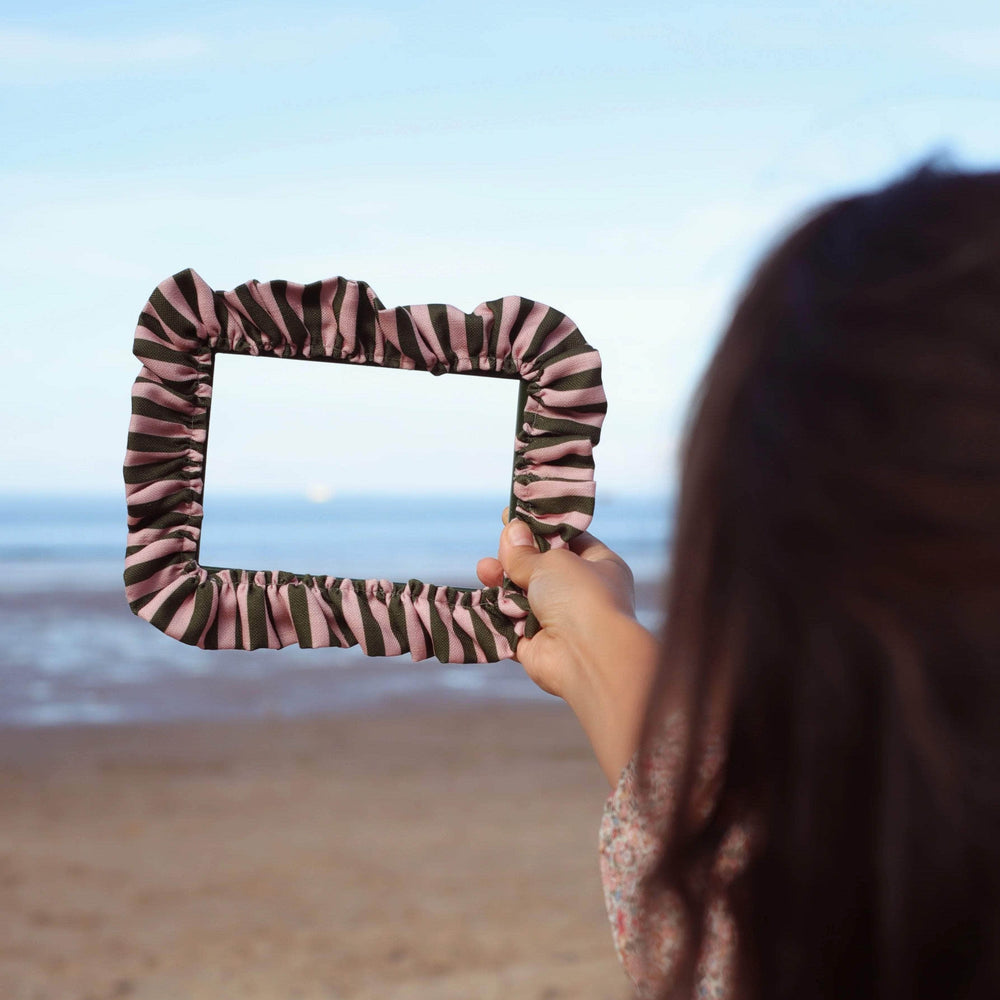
<point x="834" y="592"/>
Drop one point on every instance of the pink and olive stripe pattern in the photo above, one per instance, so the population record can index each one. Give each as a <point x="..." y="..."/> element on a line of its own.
<point x="181" y="329"/>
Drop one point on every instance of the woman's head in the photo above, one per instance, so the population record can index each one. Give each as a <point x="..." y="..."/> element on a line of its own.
<point x="836" y="573"/>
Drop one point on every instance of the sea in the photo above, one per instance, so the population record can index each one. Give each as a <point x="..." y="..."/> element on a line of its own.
<point x="71" y="652"/>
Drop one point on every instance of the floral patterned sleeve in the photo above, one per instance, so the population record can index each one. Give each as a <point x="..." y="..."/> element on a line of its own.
<point x="651" y="942"/>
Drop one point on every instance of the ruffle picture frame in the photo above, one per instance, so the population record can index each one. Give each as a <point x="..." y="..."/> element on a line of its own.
<point x="181" y="329"/>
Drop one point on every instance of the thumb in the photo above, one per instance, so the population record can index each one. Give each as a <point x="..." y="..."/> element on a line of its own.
<point x="519" y="553"/>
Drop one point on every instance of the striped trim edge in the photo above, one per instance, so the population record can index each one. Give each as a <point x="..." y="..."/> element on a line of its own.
<point x="181" y="328"/>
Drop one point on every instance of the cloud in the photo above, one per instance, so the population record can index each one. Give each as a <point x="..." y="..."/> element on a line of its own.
<point x="29" y="56"/>
<point x="33" y="56"/>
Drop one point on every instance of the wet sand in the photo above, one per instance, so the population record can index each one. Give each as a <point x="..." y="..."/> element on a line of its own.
<point x="426" y="852"/>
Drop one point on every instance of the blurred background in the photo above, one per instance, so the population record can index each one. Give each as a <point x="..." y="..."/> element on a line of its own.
<point x="625" y="164"/>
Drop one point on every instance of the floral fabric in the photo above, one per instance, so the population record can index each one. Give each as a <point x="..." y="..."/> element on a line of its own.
<point x="651" y="941"/>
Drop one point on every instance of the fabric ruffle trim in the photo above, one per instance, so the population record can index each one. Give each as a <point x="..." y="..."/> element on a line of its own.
<point x="180" y="329"/>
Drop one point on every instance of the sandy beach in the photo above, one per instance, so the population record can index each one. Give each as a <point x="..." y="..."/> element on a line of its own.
<point x="419" y="852"/>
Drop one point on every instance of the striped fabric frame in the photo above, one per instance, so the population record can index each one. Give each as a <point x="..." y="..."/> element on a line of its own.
<point x="181" y="329"/>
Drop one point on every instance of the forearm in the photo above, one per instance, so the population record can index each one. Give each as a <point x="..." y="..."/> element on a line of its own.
<point x="590" y="650"/>
<point x="618" y="663"/>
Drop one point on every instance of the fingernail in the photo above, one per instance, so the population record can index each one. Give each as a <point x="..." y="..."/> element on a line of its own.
<point x="518" y="534"/>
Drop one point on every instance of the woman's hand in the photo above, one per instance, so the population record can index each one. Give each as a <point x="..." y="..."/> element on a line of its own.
<point x="590" y="651"/>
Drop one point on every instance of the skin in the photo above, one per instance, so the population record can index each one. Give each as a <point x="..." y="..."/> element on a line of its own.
<point x="591" y="651"/>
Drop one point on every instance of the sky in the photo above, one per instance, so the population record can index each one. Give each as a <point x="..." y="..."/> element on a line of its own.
<point x="624" y="163"/>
